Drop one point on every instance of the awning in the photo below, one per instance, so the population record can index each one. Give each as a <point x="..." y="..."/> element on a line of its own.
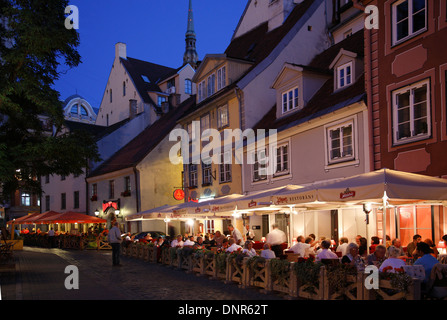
<point x="262" y="199"/>
<point x="396" y="186"/>
<point x="71" y="217"/>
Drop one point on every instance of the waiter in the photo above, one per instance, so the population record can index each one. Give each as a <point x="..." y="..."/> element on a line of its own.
<point x="249" y="234"/>
<point x="275" y="238"/>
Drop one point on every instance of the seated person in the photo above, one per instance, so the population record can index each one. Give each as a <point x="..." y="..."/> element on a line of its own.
<point x="189" y="242"/>
<point x="343" y="246"/>
<point x="301" y="247"/>
<point x="378" y="256"/>
<point x="411" y="247"/>
<point x="177" y="242"/>
<point x="268" y="253"/>
<point x="393" y="261"/>
<point x="200" y="244"/>
<point x="232" y="246"/>
<point x="397" y="244"/>
<point x="426" y="259"/>
<point x="248" y="249"/>
<point x="325" y="253"/>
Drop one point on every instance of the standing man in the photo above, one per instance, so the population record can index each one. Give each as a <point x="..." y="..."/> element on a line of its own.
<point x="114" y="238"/>
<point x="51" y="237"/>
<point x="249" y="234"/>
<point x="236" y="234"/>
<point x="275" y="238"/>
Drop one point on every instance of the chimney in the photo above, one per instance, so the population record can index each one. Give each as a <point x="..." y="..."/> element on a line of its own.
<point x="120" y="50"/>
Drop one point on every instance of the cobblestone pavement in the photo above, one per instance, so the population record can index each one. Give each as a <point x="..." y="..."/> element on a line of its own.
<point x="40" y="275"/>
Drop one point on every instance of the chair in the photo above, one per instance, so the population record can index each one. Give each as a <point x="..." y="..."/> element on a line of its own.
<point x="437" y="286"/>
<point x="416" y="271"/>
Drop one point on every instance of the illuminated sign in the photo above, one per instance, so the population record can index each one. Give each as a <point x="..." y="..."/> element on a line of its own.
<point x="179" y="194"/>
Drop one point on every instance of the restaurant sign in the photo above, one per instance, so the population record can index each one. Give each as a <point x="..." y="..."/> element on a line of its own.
<point x="347" y="194"/>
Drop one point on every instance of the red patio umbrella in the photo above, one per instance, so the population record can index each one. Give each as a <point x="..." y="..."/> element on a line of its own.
<point x="38" y="218"/>
<point x="24" y="218"/>
<point x="73" y="217"/>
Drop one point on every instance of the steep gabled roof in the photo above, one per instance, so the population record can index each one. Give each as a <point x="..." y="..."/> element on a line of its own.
<point x="154" y="72"/>
<point x="257" y="44"/>
<point x="138" y="148"/>
<point x="325" y="100"/>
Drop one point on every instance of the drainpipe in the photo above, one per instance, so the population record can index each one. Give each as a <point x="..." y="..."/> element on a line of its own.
<point x="368" y="67"/>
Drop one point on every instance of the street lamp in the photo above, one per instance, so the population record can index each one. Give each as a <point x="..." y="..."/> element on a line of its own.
<point x="96" y="212"/>
<point x="367" y="208"/>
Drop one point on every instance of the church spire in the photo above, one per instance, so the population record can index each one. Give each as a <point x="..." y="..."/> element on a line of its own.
<point x="190" y="56"/>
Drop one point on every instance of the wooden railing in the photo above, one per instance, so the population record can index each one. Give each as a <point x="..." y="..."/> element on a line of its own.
<point x="276" y="275"/>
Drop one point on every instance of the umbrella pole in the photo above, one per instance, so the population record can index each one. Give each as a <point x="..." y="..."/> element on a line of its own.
<point x="385" y="198"/>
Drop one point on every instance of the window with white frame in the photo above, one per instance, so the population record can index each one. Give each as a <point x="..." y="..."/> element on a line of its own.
<point x="222" y="117"/>
<point x="225" y="167"/>
<point x="260" y="162"/>
<point x="344" y="75"/>
<point x="409" y="17"/>
<point x="290" y="100"/>
<point x="161" y="99"/>
<point x="207" y="178"/>
<point x="201" y="91"/>
<point x="211" y="84"/>
<point x="282" y="159"/>
<point x="25" y="199"/>
<point x="193" y="175"/>
<point x="221" y="78"/>
<point x="411" y="112"/>
<point x="341" y="142"/>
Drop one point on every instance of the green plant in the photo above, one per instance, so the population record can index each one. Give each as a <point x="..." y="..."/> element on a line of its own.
<point x="280" y="270"/>
<point x="338" y="276"/>
<point x="399" y="280"/>
<point x="221" y="261"/>
<point x="254" y="261"/>
<point x="308" y="274"/>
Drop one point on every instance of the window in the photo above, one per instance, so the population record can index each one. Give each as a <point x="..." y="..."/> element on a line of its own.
<point x="111" y="189"/>
<point x="161" y="99"/>
<point x="289" y="100"/>
<point x="63" y="177"/>
<point x="344" y="75"/>
<point x="188" y="86"/>
<point x="124" y="88"/>
<point x="211" y="84"/>
<point x="47" y="203"/>
<point x="127" y="186"/>
<point x="201" y="91"/>
<point x="111" y="96"/>
<point x="145" y="78"/>
<point x="222" y="116"/>
<point x="341" y="142"/>
<point x="206" y="174"/>
<point x="47" y="178"/>
<point x="76" y="200"/>
<point x="411" y="112"/>
<point x="225" y="167"/>
<point x="74" y="109"/>
<point x="282" y="160"/>
<point x="193" y="175"/>
<point x="63" y="201"/>
<point x="409" y="19"/>
<point x="259" y="165"/>
<point x="25" y="199"/>
<point x="221" y="78"/>
<point x="205" y="122"/>
<point x="94" y="189"/>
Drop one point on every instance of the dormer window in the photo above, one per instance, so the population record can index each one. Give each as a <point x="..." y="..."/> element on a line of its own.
<point x="344" y="75"/>
<point x="290" y="100"/>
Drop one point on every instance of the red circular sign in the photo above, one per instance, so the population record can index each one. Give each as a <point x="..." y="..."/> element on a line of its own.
<point x="179" y="194"/>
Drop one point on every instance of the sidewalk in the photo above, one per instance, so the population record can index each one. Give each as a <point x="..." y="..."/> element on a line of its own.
<point x="40" y="275"/>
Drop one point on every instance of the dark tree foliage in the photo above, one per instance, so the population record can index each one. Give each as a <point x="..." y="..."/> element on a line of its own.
<point x="33" y="43"/>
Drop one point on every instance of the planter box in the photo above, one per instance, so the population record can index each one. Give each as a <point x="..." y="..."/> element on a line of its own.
<point x="18" y="244"/>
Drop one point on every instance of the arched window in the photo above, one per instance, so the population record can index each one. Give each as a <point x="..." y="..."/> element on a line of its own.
<point x="74" y="109"/>
<point x="83" y="111"/>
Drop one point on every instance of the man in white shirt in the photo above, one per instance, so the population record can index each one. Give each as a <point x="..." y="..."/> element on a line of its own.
<point x="343" y="246"/>
<point x="325" y="253"/>
<point x="177" y="242"/>
<point x="236" y="234"/>
<point x="300" y="247"/>
<point x="233" y="246"/>
<point x="189" y="242"/>
<point x="275" y="238"/>
<point x="114" y="238"/>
